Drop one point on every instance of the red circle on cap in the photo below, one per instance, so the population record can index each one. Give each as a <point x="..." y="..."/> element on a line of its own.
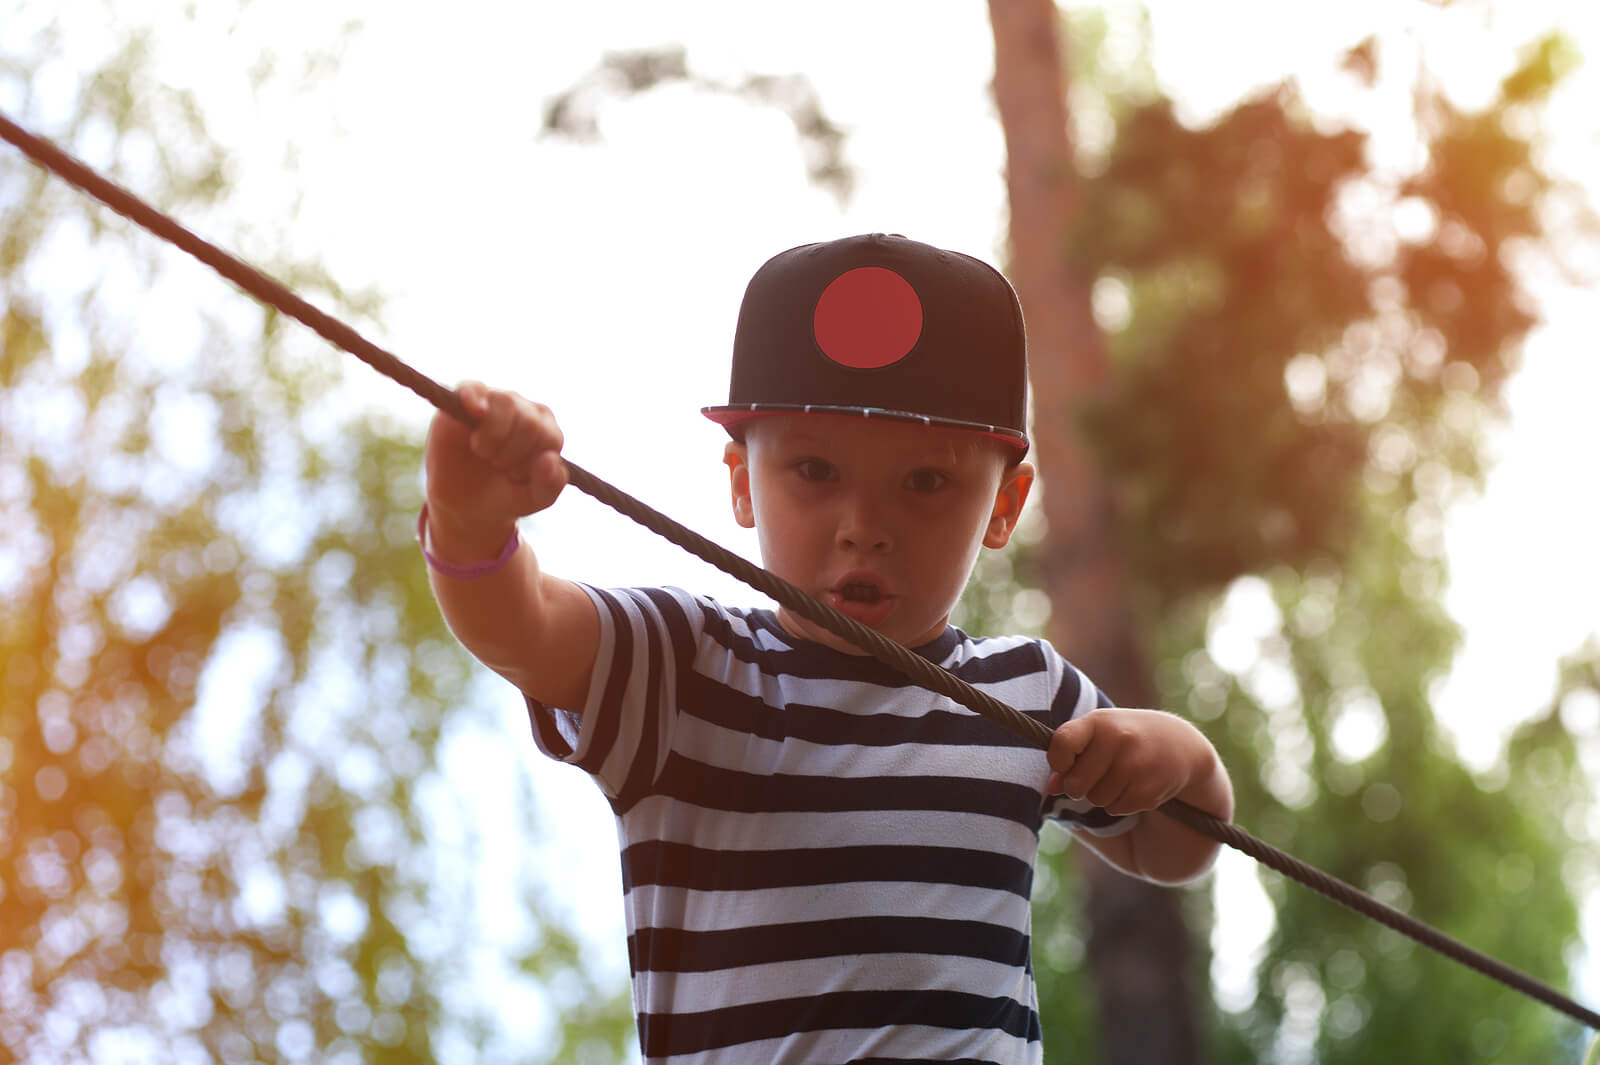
<point x="867" y="318"/>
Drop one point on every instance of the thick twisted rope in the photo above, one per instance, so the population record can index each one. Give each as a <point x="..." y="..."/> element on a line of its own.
<point x="917" y="668"/>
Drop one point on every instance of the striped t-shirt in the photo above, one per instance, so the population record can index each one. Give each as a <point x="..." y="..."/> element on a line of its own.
<point x="821" y="862"/>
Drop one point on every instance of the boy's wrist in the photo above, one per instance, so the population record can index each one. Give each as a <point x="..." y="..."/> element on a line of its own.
<point x="465" y="550"/>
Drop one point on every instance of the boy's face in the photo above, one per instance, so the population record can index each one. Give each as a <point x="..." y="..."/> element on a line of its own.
<point x="880" y="520"/>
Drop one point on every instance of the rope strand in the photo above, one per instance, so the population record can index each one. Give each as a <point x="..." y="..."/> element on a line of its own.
<point x="917" y="668"/>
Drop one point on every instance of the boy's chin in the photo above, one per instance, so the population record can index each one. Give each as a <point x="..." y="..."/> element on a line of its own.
<point x="806" y="629"/>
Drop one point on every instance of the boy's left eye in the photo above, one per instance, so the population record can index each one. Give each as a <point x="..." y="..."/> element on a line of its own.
<point x="926" y="480"/>
<point x="813" y="469"/>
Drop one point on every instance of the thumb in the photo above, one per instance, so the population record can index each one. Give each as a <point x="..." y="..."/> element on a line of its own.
<point x="474" y="397"/>
<point x="1069" y="741"/>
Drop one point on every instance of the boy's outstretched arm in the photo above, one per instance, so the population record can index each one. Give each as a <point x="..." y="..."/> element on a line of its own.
<point x="1130" y="761"/>
<point x="539" y="632"/>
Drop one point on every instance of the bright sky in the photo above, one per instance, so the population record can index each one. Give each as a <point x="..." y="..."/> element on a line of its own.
<point x="604" y="280"/>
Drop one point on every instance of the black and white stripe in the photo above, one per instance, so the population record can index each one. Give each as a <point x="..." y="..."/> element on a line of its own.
<point x="821" y="861"/>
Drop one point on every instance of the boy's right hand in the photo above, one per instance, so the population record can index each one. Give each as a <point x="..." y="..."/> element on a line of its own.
<point x="538" y="631"/>
<point x="481" y="480"/>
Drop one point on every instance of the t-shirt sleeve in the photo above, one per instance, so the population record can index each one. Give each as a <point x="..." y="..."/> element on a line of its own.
<point x="1076" y="695"/>
<point x="621" y="735"/>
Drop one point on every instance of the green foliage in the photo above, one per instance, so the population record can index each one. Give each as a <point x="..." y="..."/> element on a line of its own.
<point x="1338" y="760"/>
<point x="1305" y="350"/>
<point x="225" y="685"/>
<point x="1066" y="1003"/>
<point x="1218" y="238"/>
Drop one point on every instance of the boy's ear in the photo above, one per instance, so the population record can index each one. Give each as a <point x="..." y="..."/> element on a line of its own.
<point x="1015" y="483"/>
<point x="736" y="457"/>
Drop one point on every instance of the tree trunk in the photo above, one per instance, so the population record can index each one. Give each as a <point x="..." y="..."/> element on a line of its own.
<point x="1139" y="955"/>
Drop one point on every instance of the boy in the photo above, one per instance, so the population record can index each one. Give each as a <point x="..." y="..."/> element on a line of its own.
<point x="822" y="862"/>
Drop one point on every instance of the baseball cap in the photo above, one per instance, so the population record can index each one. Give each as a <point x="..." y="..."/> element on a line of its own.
<point x="880" y="326"/>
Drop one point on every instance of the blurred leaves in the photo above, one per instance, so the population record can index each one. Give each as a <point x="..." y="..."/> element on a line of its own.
<point x="224" y="833"/>
<point x="1307" y="346"/>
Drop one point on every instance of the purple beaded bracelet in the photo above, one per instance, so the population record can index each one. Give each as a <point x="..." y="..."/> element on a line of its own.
<point x="472" y="571"/>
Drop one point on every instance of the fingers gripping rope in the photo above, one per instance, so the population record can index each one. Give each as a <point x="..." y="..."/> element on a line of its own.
<point x="915" y="667"/>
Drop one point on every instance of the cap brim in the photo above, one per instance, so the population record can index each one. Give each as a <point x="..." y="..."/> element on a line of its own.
<point x="734" y="417"/>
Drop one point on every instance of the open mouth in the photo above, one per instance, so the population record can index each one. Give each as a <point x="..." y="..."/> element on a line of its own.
<point x="860" y="596"/>
<point x="860" y="592"/>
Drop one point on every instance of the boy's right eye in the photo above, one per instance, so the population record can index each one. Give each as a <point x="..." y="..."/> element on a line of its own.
<point x="812" y="469"/>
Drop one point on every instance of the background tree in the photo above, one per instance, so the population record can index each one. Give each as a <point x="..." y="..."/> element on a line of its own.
<point x="1141" y="966"/>
<point x="1292" y="392"/>
<point x="225" y="833"/>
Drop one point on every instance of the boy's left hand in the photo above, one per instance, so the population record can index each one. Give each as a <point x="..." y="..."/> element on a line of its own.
<point x="1126" y="761"/>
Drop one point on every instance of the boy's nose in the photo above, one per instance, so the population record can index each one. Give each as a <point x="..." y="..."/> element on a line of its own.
<point x="862" y="528"/>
